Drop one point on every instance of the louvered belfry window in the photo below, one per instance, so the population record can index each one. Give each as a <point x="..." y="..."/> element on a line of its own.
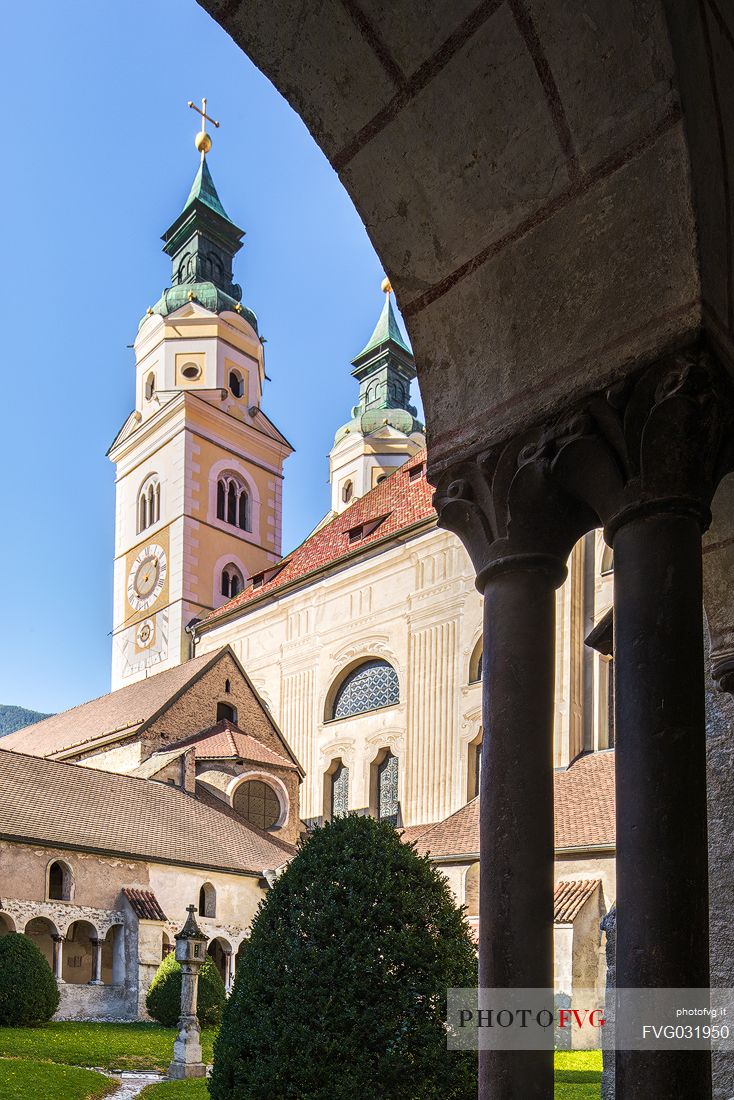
<point x="387" y="789"/>
<point x="371" y="685"/>
<point x="339" y="791"/>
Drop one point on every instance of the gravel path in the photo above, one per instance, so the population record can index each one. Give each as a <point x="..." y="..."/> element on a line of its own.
<point x="133" y="1083"/>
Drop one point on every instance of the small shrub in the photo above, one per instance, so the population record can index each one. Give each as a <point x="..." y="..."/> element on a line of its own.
<point x="341" y="988"/>
<point x="28" y="990"/>
<point x="164" y="996"/>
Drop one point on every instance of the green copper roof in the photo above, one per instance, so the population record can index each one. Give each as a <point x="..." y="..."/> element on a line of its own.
<point x="386" y="329"/>
<point x="365" y="423"/>
<point x="204" y="190"/>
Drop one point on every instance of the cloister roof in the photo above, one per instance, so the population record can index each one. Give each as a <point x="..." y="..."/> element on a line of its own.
<point x="571" y="896"/>
<point x="401" y="501"/>
<point x="584" y="813"/>
<point x="70" y="806"/>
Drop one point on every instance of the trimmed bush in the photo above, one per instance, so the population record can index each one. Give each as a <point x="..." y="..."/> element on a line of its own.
<point x="28" y="990"/>
<point x="164" y="996"/>
<point x="341" y="988"/>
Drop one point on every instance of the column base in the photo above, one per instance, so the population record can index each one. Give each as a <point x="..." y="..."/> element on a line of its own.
<point x="96" y="981"/>
<point x="179" y="1071"/>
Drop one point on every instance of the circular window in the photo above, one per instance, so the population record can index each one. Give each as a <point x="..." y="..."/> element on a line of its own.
<point x="191" y="371"/>
<point x="258" y="803"/>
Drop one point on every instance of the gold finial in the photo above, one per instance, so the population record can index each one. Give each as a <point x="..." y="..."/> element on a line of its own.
<point x="386" y="286"/>
<point x="202" y="141"/>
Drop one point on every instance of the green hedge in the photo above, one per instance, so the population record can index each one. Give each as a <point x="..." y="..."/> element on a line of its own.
<point x="341" y="988"/>
<point x="164" y="996"/>
<point x="28" y="990"/>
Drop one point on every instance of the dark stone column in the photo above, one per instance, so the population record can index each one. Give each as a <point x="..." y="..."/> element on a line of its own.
<point x="516" y="816"/>
<point x="662" y="869"/>
<point x="519" y="535"/>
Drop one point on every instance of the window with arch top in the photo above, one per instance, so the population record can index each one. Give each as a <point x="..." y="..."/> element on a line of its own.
<point x="387" y="789"/>
<point x="60" y="881"/>
<point x="370" y="686"/>
<point x="149" y="386"/>
<point x="258" y="803"/>
<point x="233" y="502"/>
<point x="207" y="901"/>
<point x="149" y="504"/>
<point x="339" y="790"/>
<point x="236" y="384"/>
<point x="232" y="581"/>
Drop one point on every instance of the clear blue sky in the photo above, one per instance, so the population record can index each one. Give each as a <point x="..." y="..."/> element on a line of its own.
<point x="99" y="159"/>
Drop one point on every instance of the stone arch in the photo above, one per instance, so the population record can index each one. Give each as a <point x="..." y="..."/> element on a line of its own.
<point x="113" y="956"/>
<point x="79" y="948"/>
<point x="43" y="932"/>
<point x="219" y="950"/>
<point x="7" y="924"/>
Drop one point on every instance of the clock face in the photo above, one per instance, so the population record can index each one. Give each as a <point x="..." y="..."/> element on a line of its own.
<point x="147" y="577"/>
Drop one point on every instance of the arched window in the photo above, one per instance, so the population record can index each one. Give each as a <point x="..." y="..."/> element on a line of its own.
<point x="347" y="491"/>
<point x="339" y="790"/>
<point x="60" y="881"/>
<point x="226" y="712"/>
<point x="232" y="582"/>
<point x="236" y="383"/>
<point x="387" y="789"/>
<point x="207" y="901"/>
<point x="149" y="503"/>
<point x="474" y="768"/>
<point x="369" y="686"/>
<point x="233" y="502"/>
<point x="149" y="386"/>
<point x="258" y="803"/>
<point x="475" y="663"/>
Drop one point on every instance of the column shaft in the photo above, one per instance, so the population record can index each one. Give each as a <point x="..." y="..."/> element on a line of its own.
<point x="662" y="858"/>
<point x="516" y="816"/>
<point x="58" y="957"/>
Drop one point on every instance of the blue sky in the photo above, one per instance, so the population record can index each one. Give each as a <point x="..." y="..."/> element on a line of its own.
<point x="99" y="159"/>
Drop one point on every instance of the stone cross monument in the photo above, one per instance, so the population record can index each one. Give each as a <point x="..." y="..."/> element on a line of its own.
<point x="190" y="953"/>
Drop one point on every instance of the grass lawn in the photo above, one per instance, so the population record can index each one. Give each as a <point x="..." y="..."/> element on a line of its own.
<point x="176" y="1090"/>
<point x="109" y="1046"/>
<point x="578" y="1075"/>
<point x="38" y="1063"/>
<point x="21" y="1079"/>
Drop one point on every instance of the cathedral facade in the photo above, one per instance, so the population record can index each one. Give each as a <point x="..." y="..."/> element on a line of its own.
<point x="267" y="694"/>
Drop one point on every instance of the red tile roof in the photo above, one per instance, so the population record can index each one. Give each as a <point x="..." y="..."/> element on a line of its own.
<point x="144" y="904"/>
<point x="399" y="502"/>
<point x="570" y="897"/>
<point x="584" y="812"/>
<point x="226" y="741"/>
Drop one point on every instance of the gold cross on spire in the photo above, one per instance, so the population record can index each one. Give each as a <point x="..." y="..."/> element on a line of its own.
<point x="202" y="141"/>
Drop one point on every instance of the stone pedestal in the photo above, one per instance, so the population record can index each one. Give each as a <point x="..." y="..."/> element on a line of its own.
<point x="187" y="1051"/>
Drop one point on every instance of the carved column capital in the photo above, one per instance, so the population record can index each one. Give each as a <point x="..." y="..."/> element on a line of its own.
<point x="660" y="442"/>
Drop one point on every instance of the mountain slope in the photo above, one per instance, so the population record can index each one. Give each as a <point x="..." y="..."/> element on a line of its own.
<point x="15" y="718"/>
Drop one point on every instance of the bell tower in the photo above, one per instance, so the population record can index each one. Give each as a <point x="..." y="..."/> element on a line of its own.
<point x="199" y="464"/>
<point x="384" y="430"/>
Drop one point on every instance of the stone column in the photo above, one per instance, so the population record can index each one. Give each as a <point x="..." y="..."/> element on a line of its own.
<point x="96" y="961"/>
<point x="662" y="867"/>
<point x="190" y="953"/>
<point x="516" y="814"/>
<point x="58" y="957"/>
<point x="519" y="535"/>
<point x="228" y="956"/>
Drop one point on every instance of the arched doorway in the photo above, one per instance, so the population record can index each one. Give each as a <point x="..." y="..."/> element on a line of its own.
<point x="7" y="924"/>
<point x="220" y="952"/>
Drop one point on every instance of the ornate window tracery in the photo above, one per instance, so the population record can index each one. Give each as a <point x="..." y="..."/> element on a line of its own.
<point x="339" y="791"/>
<point x="387" y="789"/>
<point x="369" y="686"/>
<point x="232" y="582"/>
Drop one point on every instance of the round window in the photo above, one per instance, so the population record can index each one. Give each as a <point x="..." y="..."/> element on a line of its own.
<point x="191" y="371"/>
<point x="258" y="803"/>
